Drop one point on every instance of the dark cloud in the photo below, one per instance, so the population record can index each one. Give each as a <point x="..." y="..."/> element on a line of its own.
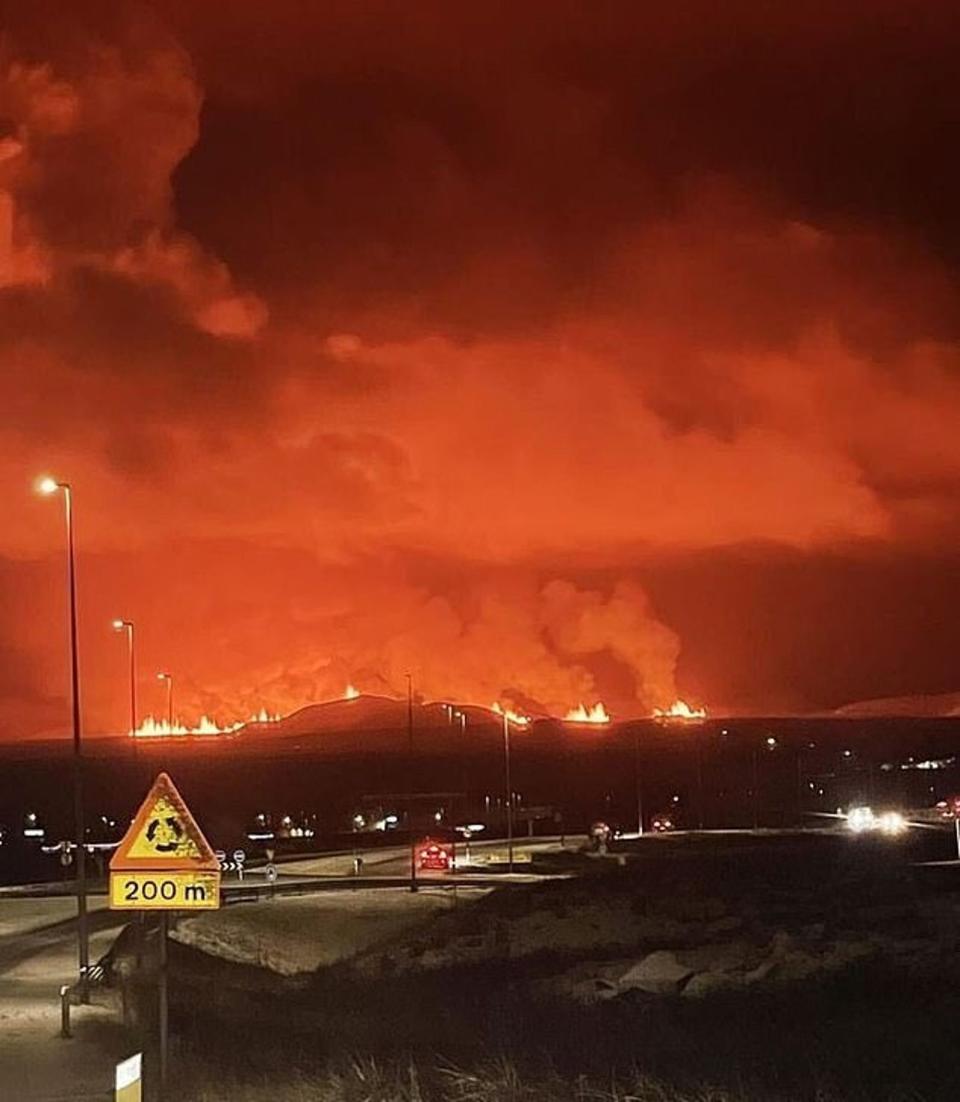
<point x="451" y="337"/>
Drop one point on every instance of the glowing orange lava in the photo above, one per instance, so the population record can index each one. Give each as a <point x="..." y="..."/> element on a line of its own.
<point x="161" y="728"/>
<point x="680" y="709"/>
<point x="580" y="714"/>
<point x="512" y="717"/>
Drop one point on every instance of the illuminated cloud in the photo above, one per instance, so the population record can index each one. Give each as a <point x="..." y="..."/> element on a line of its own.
<point x="449" y="339"/>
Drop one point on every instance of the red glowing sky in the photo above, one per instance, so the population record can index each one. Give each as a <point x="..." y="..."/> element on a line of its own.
<point x="549" y="351"/>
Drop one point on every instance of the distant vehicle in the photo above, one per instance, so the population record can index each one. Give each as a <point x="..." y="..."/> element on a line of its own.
<point x="861" y="819"/>
<point x="431" y="855"/>
<point x="662" y="824"/>
<point x="600" y="835"/>
<point x="949" y="809"/>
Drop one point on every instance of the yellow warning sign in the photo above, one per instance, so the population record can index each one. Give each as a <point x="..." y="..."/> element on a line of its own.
<point x="161" y="891"/>
<point x="164" y="836"/>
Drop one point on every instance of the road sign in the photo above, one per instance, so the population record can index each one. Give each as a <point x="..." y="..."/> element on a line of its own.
<point x="128" y="1079"/>
<point x="271" y="873"/>
<point x="158" y="891"/>
<point x="164" y="836"/>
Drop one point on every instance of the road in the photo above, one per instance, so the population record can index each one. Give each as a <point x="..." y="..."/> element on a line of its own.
<point x="486" y="859"/>
<point x="38" y="953"/>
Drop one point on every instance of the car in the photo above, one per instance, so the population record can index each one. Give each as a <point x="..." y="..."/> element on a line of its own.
<point x="950" y="808"/>
<point x="662" y="824"/>
<point x="432" y="855"/>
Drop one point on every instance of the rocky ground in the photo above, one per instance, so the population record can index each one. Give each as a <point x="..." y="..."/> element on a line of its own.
<point x="781" y="970"/>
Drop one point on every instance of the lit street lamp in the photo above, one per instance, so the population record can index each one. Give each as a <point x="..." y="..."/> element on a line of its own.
<point x="769" y="743"/>
<point x="48" y="486"/>
<point x="509" y="786"/>
<point x="411" y="772"/>
<point x="168" y="677"/>
<point x="127" y="627"/>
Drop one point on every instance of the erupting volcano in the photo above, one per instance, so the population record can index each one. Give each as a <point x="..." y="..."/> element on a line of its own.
<point x="580" y="714"/>
<point x="151" y="727"/>
<point x="633" y="367"/>
<point x="513" y="717"/>
<point x="680" y="709"/>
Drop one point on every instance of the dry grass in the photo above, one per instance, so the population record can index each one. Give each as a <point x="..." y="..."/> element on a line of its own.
<point x="366" y="1080"/>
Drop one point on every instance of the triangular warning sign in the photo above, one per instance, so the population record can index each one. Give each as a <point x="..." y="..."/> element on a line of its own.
<point x="164" y="835"/>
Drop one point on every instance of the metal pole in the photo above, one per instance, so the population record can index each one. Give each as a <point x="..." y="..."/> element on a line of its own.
<point x="83" y="935"/>
<point x="411" y="772"/>
<point x="509" y="786"/>
<point x="133" y="685"/>
<point x="699" y="738"/>
<point x="163" y="1003"/>
<point x="756" y="790"/>
<point x="956" y="823"/>
<point x="639" y="782"/>
<point x="170" y="701"/>
<point x="65" y="1010"/>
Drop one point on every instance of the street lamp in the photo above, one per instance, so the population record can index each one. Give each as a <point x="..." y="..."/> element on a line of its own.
<point x="127" y="627"/>
<point x="800" y="777"/>
<point x="49" y="486"/>
<point x="168" y="677"/>
<point x="769" y="743"/>
<point x="411" y="773"/>
<point x="638" y="780"/>
<point x="509" y="786"/>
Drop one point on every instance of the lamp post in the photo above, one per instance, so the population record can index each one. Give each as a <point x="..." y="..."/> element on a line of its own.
<point x="126" y="626"/>
<point x="50" y="486"/>
<point x="699" y="740"/>
<point x="509" y="788"/>
<point x="638" y="777"/>
<point x="769" y="743"/>
<point x="801" y="778"/>
<point x="411" y="771"/>
<point x="169" y="680"/>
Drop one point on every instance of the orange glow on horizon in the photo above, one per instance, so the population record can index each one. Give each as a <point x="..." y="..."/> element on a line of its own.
<point x="680" y="709"/>
<point x="597" y="714"/>
<point x="151" y="727"/>
<point x="512" y="717"/>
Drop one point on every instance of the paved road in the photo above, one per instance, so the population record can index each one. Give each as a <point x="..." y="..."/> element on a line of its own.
<point x="487" y="859"/>
<point x="38" y="953"/>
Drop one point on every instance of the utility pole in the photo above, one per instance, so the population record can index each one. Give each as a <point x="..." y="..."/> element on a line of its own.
<point x="756" y="787"/>
<point x="509" y="788"/>
<point x="699" y="737"/>
<point x="411" y="774"/>
<point x="49" y="486"/>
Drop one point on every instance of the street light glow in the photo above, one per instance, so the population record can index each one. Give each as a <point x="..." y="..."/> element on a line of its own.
<point x="47" y="485"/>
<point x="118" y="625"/>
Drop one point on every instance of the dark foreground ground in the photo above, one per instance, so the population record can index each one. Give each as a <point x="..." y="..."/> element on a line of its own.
<point x="472" y="1007"/>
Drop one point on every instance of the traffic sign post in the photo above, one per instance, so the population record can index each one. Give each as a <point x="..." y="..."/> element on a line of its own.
<point x="163" y="863"/>
<point x="128" y="1079"/>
